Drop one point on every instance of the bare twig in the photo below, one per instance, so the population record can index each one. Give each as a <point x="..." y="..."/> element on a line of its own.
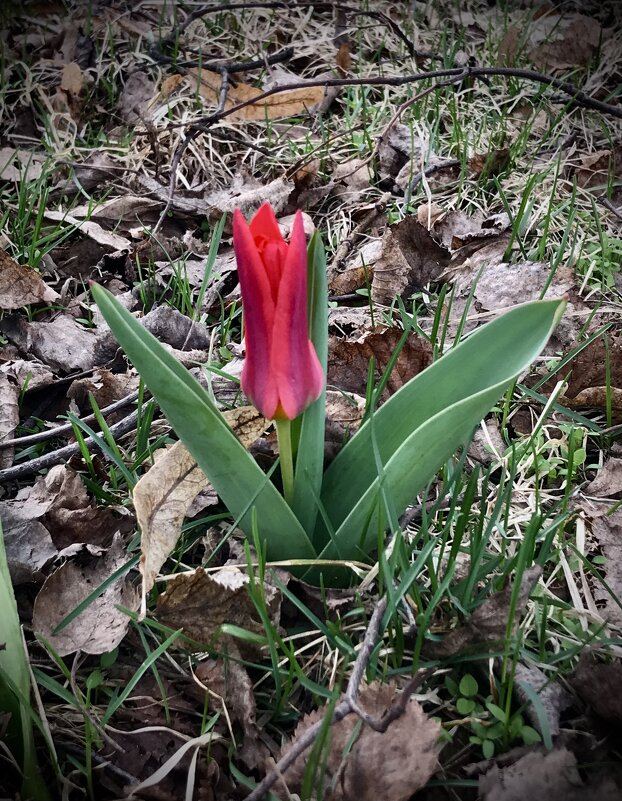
<point x="609" y="205"/>
<point x="348" y="706"/>
<point x="65" y="428"/>
<point x="63" y="454"/>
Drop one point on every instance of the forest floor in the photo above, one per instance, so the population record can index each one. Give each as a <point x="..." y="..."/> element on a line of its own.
<point x="458" y="159"/>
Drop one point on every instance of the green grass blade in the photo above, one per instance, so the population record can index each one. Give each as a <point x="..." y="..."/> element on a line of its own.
<point x="228" y="465"/>
<point x="489" y="359"/>
<point x="310" y="458"/>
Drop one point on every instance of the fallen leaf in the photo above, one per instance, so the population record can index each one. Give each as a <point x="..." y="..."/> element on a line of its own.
<point x="9" y="416"/>
<point x="136" y="96"/>
<point x="60" y="502"/>
<point x="247" y="194"/>
<point x="456" y="229"/>
<point x="282" y="104"/>
<point x="369" y="765"/>
<point x="568" y="41"/>
<point x="595" y="170"/>
<point x="21" y="285"/>
<point x="348" y="360"/>
<point x="552" y="775"/>
<point x="553" y="697"/>
<point x="63" y="344"/>
<point x="162" y="497"/>
<point x="105" y="386"/>
<point x="344" y="413"/>
<point x="599" y="685"/>
<point x="488" y="624"/>
<point x="29" y="549"/>
<point x="607" y="531"/>
<point x="608" y="482"/>
<point x="410" y="259"/>
<point x="20" y="165"/>
<point x="101" y="626"/>
<point x="173" y="328"/>
<point x="589" y="386"/>
<point x="200" y="603"/>
<point x="72" y="79"/>
<point x="93" y="230"/>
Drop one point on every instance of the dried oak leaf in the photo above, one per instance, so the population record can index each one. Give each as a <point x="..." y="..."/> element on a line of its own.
<point x="282" y="104"/>
<point x="599" y="685"/>
<point x="348" y="360"/>
<point x="488" y="624"/>
<point x="409" y="260"/>
<point x="21" y="285"/>
<point x="553" y="775"/>
<point x="200" y="603"/>
<point x="163" y="496"/>
<point x="391" y="765"/>
<point x="101" y="626"/>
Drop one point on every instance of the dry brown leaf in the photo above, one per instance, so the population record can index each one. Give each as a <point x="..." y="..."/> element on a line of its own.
<point x="282" y="104"/>
<point x="599" y="685"/>
<point x="607" y="531"/>
<point x="136" y="96"/>
<point x="60" y="502"/>
<point x="410" y="259"/>
<point x="391" y="766"/>
<point x="200" y="603"/>
<point x="93" y="230"/>
<point x="9" y="415"/>
<point x="162" y="497"/>
<point x="489" y="622"/>
<point x="247" y="194"/>
<point x="101" y="626"/>
<point x="552" y="775"/>
<point x="608" y="482"/>
<point x="63" y="344"/>
<point x="21" y="285"/>
<point x="29" y="549"/>
<point x="348" y="360"/>
<point x="105" y="386"/>
<point x="588" y="380"/>
<point x="457" y="229"/>
<point x="570" y="41"/>
<point x="595" y="169"/>
<point x="343" y="59"/>
<point x="20" y="165"/>
<point x="72" y="79"/>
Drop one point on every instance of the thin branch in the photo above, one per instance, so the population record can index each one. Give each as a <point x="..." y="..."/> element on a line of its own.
<point x="66" y="428"/>
<point x="64" y="454"/>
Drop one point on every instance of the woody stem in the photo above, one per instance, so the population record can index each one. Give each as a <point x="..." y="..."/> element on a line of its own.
<point x="284" y="436"/>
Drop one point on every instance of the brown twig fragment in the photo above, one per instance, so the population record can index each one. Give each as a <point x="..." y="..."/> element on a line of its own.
<point x="348" y="706"/>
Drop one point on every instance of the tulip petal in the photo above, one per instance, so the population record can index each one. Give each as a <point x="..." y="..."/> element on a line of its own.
<point x="294" y="362"/>
<point x="258" y="380"/>
<point x="271" y="246"/>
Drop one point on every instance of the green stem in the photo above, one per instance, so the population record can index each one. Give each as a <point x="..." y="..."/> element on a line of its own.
<point x="284" y="436"/>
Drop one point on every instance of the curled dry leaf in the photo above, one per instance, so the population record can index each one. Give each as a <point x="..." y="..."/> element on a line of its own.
<point x="391" y="765"/>
<point x="409" y="260"/>
<point x="489" y="622"/>
<point x="101" y="626"/>
<point x="21" y="285"/>
<point x="163" y="495"/>
<point x="283" y="104"/>
<point x="348" y="360"/>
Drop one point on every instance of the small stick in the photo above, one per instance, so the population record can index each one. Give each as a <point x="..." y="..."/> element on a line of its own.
<point x="63" y="454"/>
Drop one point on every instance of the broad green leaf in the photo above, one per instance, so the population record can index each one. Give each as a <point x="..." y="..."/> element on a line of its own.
<point x="481" y="367"/>
<point x="310" y="458"/>
<point x="15" y="687"/>
<point x="235" y="475"/>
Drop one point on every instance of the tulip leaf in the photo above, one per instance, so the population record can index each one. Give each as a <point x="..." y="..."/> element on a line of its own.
<point x="310" y="458"/>
<point x="420" y="426"/>
<point x="233" y="472"/>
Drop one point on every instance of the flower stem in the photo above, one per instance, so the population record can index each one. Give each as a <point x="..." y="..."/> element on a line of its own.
<point x="284" y="436"/>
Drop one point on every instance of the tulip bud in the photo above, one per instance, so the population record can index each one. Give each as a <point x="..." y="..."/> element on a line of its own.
<point x="282" y="374"/>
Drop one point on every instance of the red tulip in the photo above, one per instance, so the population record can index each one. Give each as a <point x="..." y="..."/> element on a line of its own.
<point x="282" y="374"/>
